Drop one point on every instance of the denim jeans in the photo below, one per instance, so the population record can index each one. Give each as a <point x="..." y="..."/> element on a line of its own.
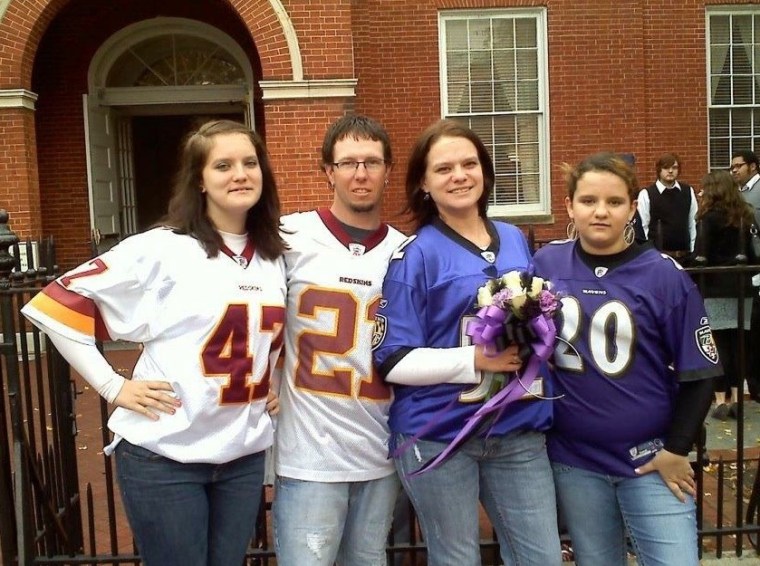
<point x="510" y="475"/>
<point x="599" y="509"/>
<point x="189" y="514"/>
<point x="318" y="523"/>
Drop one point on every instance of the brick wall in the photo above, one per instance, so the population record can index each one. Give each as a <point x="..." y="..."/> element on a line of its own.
<point x="623" y="76"/>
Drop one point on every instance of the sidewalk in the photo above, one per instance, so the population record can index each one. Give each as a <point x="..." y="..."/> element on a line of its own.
<point x="722" y="442"/>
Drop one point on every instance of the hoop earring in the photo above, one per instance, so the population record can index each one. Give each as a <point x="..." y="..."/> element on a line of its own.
<point x="571" y="230"/>
<point x="629" y="233"/>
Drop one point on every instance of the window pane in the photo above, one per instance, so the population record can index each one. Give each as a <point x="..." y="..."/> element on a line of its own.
<point x="174" y="60"/>
<point x="719" y="123"/>
<point x="503" y="33"/>
<point x="742" y="86"/>
<point x="527" y="95"/>
<point x="459" y="98"/>
<point x="480" y="35"/>
<point x="720" y="30"/>
<point x="456" y="35"/>
<point x="504" y="96"/>
<point x="525" y="33"/>
<point x="527" y="64"/>
<point x="741" y="123"/>
<point x="480" y="66"/>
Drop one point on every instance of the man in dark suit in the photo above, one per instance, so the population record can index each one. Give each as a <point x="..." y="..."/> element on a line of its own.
<point x="668" y="210"/>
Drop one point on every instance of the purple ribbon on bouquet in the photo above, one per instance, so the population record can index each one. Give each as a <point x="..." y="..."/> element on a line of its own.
<point x="487" y="328"/>
<point x="545" y="331"/>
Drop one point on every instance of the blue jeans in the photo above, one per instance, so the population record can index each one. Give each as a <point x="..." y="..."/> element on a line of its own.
<point x="189" y="514"/>
<point x="599" y="509"/>
<point x="510" y="475"/>
<point x="318" y="523"/>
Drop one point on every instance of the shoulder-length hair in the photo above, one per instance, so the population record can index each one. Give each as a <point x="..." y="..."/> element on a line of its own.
<point x="187" y="207"/>
<point x="423" y="210"/>
<point x="719" y="192"/>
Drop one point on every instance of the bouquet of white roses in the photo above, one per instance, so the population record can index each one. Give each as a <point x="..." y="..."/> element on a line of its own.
<point x="507" y="305"/>
<point x="517" y="307"/>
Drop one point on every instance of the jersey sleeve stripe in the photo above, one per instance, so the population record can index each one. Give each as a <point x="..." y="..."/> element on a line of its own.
<point x="74" y="319"/>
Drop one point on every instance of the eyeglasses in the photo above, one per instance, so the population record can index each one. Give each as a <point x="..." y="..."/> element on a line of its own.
<point x="736" y="166"/>
<point x="372" y="165"/>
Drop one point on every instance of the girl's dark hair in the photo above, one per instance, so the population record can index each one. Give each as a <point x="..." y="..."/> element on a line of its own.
<point x="187" y="207"/>
<point x="423" y="210"/>
<point x="719" y="192"/>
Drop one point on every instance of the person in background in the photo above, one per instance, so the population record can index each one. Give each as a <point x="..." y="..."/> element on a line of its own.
<point x="336" y="488"/>
<point x="440" y="380"/>
<point x="722" y="217"/>
<point x="745" y="170"/>
<point x="634" y="365"/>
<point x="204" y="294"/>
<point x="668" y="210"/>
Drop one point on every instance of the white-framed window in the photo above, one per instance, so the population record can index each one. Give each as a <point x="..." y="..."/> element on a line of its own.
<point x="494" y="78"/>
<point x="733" y="74"/>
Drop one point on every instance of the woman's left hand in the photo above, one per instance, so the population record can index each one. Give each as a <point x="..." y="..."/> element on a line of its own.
<point x="676" y="472"/>
<point x="273" y="403"/>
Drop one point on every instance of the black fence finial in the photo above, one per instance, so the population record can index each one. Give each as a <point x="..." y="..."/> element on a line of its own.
<point x="7" y="239"/>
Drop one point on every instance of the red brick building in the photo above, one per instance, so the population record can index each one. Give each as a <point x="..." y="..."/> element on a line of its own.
<point x="94" y="95"/>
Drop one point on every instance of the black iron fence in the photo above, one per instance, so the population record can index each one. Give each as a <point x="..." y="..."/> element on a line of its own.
<point x="50" y="514"/>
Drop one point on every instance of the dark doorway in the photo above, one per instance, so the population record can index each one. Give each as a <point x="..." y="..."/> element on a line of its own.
<point x="156" y="144"/>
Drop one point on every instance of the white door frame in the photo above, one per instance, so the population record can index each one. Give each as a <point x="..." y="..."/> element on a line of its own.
<point x="104" y="105"/>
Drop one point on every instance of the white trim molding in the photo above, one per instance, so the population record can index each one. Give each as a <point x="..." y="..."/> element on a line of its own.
<point x="330" y="88"/>
<point x="290" y="37"/>
<point x="17" y="98"/>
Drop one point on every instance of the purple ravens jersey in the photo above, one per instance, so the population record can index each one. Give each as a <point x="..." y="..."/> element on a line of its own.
<point x="429" y="296"/>
<point x="631" y="327"/>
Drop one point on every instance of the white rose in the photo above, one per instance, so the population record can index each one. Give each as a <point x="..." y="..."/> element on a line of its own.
<point x="518" y="301"/>
<point x="536" y="286"/>
<point x="485" y="298"/>
<point x="512" y="281"/>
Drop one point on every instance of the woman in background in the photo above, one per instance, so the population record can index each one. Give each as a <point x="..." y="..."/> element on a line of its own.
<point x="721" y="219"/>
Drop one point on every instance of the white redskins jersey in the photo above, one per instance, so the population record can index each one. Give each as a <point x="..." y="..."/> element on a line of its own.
<point x="333" y="423"/>
<point x="210" y="327"/>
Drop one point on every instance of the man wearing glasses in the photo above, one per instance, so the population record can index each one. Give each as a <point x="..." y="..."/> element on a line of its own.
<point x="335" y="487"/>
<point x="744" y="170"/>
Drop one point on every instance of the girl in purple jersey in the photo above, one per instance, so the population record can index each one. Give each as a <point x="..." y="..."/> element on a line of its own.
<point x="633" y="365"/>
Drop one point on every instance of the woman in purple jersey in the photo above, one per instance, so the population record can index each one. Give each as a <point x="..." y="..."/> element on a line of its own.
<point x="429" y="294"/>
<point x="633" y="366"/>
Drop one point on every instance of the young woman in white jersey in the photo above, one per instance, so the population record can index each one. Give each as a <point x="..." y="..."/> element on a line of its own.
<point x="204" y="294"/>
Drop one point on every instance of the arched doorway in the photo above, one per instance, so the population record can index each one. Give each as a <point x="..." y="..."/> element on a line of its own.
<point x="148" y="85"/>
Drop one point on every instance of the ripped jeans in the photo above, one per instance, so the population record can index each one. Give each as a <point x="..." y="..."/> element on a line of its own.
<point x="318" y="524"/>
